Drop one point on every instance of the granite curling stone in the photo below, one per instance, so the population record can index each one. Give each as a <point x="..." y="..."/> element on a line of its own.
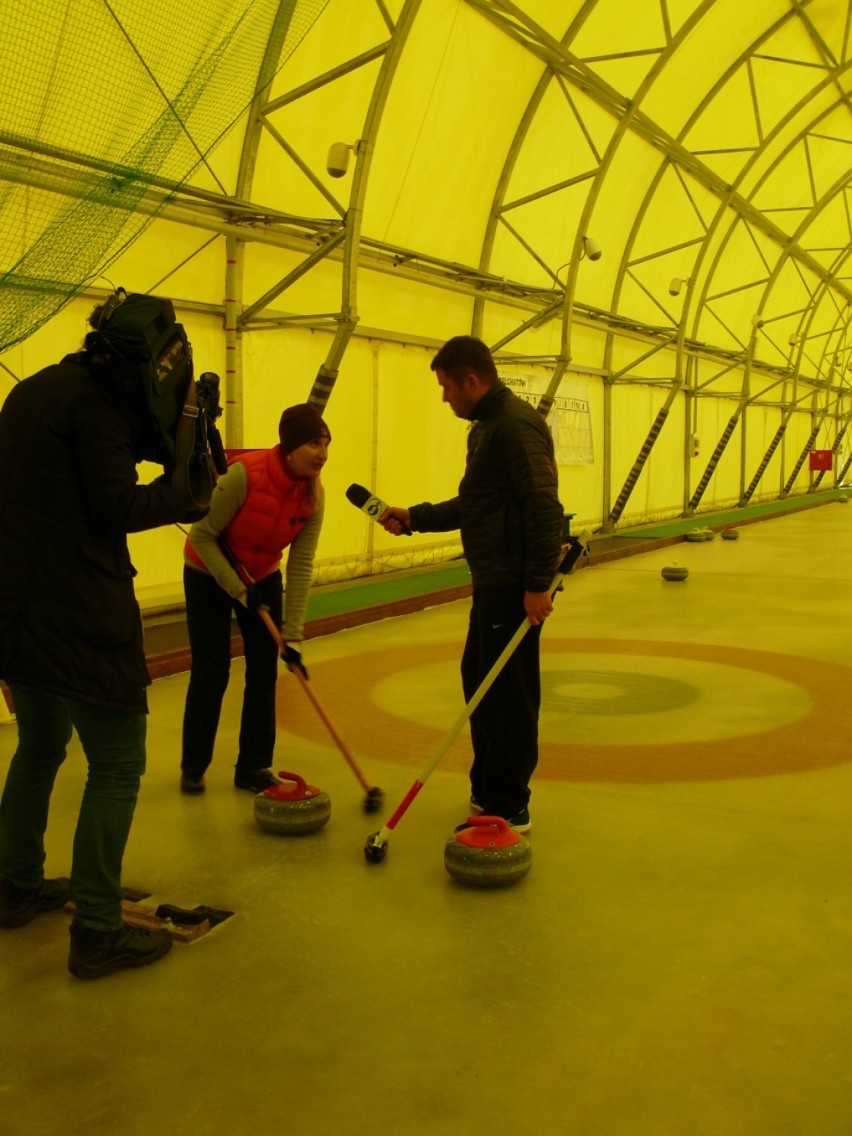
<point x="695" y="536"/>
<point x="730" y="534"/>
<point x="487" y="853"/>
<point x="674" y="572"/>
<point x="292" y="808"/>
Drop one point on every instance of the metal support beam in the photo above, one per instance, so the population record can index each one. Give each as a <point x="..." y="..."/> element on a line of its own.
<point x="806" y="449"/>
<point x="328" y="371"/>
<point x="840" y="436"/>
<point x="641" y="458"/>
<point x="767" y="457"/>
<point x="714" y="461"/>
<point x="233" y="343"/>
<point x="297" y="273"/>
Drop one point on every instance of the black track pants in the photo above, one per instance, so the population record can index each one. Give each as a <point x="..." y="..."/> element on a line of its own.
<point x="504" y="727"/>
<point x="208" y="619"/>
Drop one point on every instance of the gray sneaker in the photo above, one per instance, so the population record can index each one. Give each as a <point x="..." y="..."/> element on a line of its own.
<point x="521" y="822"/>
<point x="96" y="953"/>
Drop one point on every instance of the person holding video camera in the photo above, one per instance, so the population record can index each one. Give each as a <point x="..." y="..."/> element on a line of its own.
<point x="268" y="501"/>
<point x="71" y="646"/>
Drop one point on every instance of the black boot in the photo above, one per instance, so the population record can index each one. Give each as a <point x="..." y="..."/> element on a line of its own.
<point x="95" y="953"/>
<point x="19" y="905"/>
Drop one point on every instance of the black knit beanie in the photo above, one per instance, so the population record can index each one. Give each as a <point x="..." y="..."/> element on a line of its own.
<point x="300" y="424"/>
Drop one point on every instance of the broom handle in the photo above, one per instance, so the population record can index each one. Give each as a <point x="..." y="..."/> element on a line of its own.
<point x="306" y="686"/>
<point x="576" y="546"/>
<point x="573" y="554"/>
<point x="263" y="612"/>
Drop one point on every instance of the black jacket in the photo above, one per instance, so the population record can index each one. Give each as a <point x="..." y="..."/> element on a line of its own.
<point x="69" y="621"/>
<point x="507" y="506"/>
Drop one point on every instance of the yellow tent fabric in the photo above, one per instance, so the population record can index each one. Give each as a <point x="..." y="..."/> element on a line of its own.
<point x="642" y="208"/>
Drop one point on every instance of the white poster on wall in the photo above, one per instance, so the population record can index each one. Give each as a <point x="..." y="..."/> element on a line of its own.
<point x="570" y="420"/>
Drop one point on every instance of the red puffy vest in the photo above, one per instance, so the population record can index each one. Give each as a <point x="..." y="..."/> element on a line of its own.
<point x="275" y="511"/>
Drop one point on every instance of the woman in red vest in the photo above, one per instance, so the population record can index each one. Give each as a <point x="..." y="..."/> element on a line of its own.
<point x="268" y="500"/>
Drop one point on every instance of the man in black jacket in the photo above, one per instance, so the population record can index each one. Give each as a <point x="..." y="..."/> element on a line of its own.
<point x="511" y="525"/>
<point x="71" y="642"/>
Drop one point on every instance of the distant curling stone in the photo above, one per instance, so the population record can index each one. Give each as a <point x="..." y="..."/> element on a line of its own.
<point x="709" y="534"/>
<point x="292" y="808"/>
<point x="488" y="853"/>
<point x="674" y="572"/>
<point x="730" y="533"/>
<point x="694" y="536"/>
<point x="843" y="498"/>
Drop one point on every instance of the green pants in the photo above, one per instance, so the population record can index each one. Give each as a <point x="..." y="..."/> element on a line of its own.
<point x="114" y="744"/>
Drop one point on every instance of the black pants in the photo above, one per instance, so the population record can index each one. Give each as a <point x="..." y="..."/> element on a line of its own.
<point x="504" y="727"/>
<point x="208" y="620"/>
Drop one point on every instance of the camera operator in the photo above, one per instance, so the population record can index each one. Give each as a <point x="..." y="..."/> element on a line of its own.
<point x="71" y="634"/>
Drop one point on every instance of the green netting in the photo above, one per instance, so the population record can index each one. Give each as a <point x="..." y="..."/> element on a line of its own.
<point x="103" y="99"/>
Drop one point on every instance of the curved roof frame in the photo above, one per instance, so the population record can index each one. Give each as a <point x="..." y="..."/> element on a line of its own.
<point x="498" y="13"/>
<point x="347" y="232"/>
<point x="789" y="246"/>
<point x="305" y="233"/>
<point x="790" y="249"/>
<point x="339" y="237"/>
<point x="564" y="67"/>
<point x="499" y="207"/>
<point x="521" y="28"/>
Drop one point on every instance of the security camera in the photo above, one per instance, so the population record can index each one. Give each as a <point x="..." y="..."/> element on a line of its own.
<point x="593" y="249"/>
<point x="337" y="162"/>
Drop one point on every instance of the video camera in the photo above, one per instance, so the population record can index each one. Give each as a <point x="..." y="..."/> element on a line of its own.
<point x="139" y="343"/>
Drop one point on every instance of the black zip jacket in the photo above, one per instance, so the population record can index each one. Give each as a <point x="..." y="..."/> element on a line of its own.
<point x="507" y="506"/>
<point x="69" y="621"/>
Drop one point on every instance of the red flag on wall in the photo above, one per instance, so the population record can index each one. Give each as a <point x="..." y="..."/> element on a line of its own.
<point x="821" y="459"/>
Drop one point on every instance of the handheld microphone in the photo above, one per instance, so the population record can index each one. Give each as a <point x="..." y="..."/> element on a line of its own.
<point x="364" y="500"/>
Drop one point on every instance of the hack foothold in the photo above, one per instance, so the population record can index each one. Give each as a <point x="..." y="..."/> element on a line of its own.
<point x="487" y="853"/>
<point x="292" y="808"/>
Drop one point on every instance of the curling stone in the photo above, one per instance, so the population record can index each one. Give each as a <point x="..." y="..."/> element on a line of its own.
<point x="376" y="848"/>
<point x="674" y="572"/>
<point x="694" y="536"/>
<point x="709" y="534"/>
<point x="487" y="854"/>
<point x="842" y="499"/>
<point x="730" y="534"/>
<point x="292" y="808"/>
